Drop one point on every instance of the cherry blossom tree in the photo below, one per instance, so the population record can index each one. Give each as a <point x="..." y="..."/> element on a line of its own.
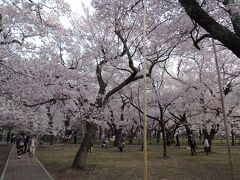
<point x="113" y="39"/>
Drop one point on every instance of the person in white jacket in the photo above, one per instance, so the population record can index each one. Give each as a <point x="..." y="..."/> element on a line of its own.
<point x="206" y="145"/>
<point x="32" y="144"/>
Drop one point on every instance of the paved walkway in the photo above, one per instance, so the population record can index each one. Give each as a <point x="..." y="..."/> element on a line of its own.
<point x="24" y="169"/>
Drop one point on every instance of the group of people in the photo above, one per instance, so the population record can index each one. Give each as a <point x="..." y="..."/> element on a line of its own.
<point x="25" y="143"/>
<point x="105" y="142"/>
<point x="192" y="145"/>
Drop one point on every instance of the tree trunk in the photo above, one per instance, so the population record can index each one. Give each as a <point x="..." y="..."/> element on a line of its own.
<point x="158" y="136"/>
<point x="210" y="138"/>
<point x="188" y="130"/>
<point x="150" y="136"/>
<point x="80" y="158"/>
<point x="130" y="141"/>
<point x="164" y="143"/>
<point x="232" y="133"/>
<point x="142" y="145"/>
<point x="210" y="144"/>
<point x="162" y="125"/>
<point x="51" y="139"/>
<point x="131" y="138"/>
<point x="117" y="136"/>
<point x="50" y="123"/>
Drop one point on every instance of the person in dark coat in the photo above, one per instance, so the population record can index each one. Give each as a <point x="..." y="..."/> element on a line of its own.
<point x="121" y="145"/>
<point x="8" y="137"/>
<point x="26" y="139"/>
<point x="192" y="144"/>
<point x="19" y="145"/>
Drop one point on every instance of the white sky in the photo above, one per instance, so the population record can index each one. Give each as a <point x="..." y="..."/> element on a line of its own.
<point x="76" y="5"/>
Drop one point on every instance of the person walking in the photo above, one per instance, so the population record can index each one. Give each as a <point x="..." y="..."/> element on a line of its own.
<point x="206" y="145"/>
<point x="32" y="144"/>
<point x="19" y="145"/>
<point x="192" y="144"/>
<point x="26" y="139"/>
<point x="8" y="137"/>
<point x="121" y="145"/>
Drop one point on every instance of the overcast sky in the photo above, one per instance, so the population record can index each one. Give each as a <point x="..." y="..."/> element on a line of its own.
<point x="76" y="5"/>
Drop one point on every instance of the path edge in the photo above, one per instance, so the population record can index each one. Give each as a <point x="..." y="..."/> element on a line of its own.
<point x="6" y="164"/>
<point x="45" y="170"/>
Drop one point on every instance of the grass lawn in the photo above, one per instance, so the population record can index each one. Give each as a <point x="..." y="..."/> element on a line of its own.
<point x="4" y="151"/>
<point x="110" y="164"/>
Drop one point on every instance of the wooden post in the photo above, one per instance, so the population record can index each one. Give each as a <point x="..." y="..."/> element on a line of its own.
<point x="145" y="94"/>
<point x="223" y="111"/>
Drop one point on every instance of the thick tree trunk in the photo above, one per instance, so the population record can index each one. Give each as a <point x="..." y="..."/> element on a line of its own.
<point x="142" y="145"/>
<point x="132" y="134"/>
<point x="100" y="133"/>
<point x="164" y="143"/>
<point x="150" y="136"/>
<point x="131" y="138"/>
<point x="216" y="30"/>
<point x="130" y="141"/>
<point x="50" y="123"/>
<point x="162" y="125"/>
<point x="117" y="136"/>
<point x="80" y="158"/>
<point x="232" y="133"/>
<point x="158" y="136"/>
<point x="210" y="138"/>
<point x="210" y="143"/>
<point x="188" y="130"/>
<point x="51" y="139"/>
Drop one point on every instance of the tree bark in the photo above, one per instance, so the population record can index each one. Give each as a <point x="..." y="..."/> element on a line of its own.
<point x="232" y="133"/>
<point x="162" y="125"/>
<point x="158" y="136"/>
<point x="50" y="123"/>
<point x="130" y="141"/>
<point x="80" y="158"/>
<point x="117" y="136"/>
<point x="164" y="143"/>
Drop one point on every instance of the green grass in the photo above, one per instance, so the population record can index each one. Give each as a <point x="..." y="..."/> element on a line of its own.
<point x="4" y="151"/>
<point x="110" y="164"/>
<point x="183" y="141"/>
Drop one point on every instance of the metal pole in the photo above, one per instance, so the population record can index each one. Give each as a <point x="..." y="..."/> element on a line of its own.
<point x="223" y="111"/>
<point x="145" y="94"/>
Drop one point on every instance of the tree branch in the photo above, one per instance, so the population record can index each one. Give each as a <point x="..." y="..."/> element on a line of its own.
<point x="216" y="30"/>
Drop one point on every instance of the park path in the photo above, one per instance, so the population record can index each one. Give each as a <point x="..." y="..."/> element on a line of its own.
<point x="24" y="169"/>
